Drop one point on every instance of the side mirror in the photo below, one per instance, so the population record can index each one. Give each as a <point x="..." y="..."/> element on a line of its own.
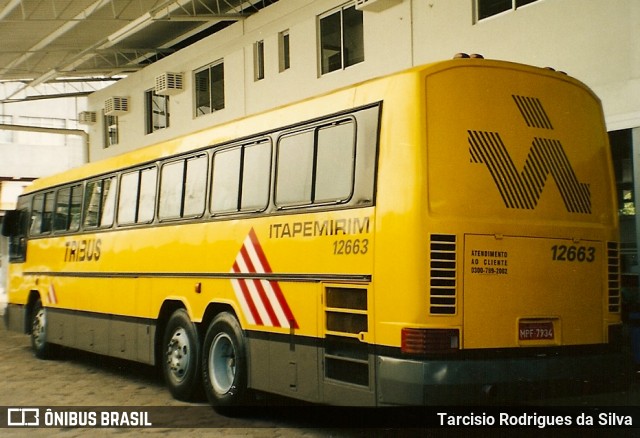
<point x="11" y="223"/>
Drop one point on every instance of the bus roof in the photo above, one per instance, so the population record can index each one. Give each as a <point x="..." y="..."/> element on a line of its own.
<point x="333" y="101"/>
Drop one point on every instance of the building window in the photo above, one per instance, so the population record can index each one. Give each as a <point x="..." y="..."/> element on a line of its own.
<point x="284" y="51"/>
<point x="341" y="39"/>
<point x="258" y="60"/>
<point x="157" y="111"/>
<point x="111" y="134"/>
<point x="489" y="8"/>
<point x="209" y="89"/>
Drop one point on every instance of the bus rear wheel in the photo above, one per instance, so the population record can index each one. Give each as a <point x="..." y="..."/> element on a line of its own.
<point x="41" y="348"/>
<point x="181" y="356"/>
<point x="225" y="364"/>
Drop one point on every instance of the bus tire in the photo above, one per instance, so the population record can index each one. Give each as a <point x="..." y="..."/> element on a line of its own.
<point x="41" y="348"/>
<point x="224" y="365"/>
<point x="181" y="356"/>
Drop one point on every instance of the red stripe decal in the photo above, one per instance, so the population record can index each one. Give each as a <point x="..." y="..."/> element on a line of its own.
<point x="247" y="297"/>
<point x="269" y="293"/>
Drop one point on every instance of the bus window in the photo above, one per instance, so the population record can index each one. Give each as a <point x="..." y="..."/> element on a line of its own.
<point x="98" y="203"/>
<point x="195" y="186"/>
<point x="256" y="174"/>
<point x="75" y="208"/>
<point x="128" y="201"/>
<point x="36" y="214"/>
<point x="295" y="169"/>
<point x="225" y="183"/>
<point x="182" y="188"/>
<point x="107" y="210"/>
<point x="171" y="190"/>
<point x="42" y="213"/>
<point x="61" y="216"/>
<point x="147" y="196"/>
<point x="137" y="196"/>
<point x="316" y="166"/>
<point x="67" y="211"/>
<point x="241" y="178"/>
<point x="335" y="163"/>
<point x="15" y="226"/>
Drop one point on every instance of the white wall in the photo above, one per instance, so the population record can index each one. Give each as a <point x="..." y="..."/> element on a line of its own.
<point x="594" y="41"/>
<point x="597" y="42"/>
<point x="385" y="52"/>
<point x="37" y="154"/>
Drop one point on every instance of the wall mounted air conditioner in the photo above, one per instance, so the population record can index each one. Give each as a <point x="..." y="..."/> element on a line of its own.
<point x="375" y="5"/>
<point x="87" y="117"/>
<point x="116" y="106"/>
<point x="168" y="84"/>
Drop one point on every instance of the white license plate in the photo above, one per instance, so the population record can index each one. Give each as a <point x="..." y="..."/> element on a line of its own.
<point x="535" y="330"/>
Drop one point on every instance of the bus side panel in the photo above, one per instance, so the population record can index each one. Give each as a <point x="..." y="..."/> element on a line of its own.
<point x="15" y="318"/>
<point x="286" y="365"/>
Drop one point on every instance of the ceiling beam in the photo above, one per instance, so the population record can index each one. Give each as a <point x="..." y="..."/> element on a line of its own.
<point x="204" y="17"/>
<point x="43" y="43"/>
<point x="45" y="97"/>
<point x="125" y="61"/>
<point x="8" y="9"/>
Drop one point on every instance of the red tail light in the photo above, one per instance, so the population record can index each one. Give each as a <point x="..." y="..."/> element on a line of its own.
<point x="429" y="341"/>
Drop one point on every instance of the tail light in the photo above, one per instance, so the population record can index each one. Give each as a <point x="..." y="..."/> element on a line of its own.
<point x="429" y="341"/>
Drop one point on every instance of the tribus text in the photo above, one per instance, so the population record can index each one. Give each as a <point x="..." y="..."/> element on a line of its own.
<point x="85" y="250"/>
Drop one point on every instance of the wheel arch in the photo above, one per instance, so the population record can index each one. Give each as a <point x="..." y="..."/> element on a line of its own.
<point x="213" y="310"/>
<point x="166" y="310"/>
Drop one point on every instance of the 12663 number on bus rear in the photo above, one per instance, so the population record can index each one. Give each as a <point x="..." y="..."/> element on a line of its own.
<point x="573" y="253"/>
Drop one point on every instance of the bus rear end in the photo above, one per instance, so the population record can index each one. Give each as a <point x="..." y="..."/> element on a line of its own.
<point x="521" y="237"/>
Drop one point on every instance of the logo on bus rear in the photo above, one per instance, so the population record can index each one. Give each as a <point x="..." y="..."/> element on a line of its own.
<point x="522" y="189"/>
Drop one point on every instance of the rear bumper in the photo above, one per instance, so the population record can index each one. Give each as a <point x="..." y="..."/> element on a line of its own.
<point x="493" y="380"/>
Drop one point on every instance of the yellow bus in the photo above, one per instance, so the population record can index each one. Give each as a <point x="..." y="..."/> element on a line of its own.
<point x="419" y="238"/>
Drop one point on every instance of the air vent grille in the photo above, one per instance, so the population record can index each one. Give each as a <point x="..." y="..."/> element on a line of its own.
<point x="116" y="105"/>
<point x="613" y="263"/>
<point x="169" y="83"/>
<point x="443" y="274"/>
<point x="346" y="357"/>
<point x="87" y="117"/>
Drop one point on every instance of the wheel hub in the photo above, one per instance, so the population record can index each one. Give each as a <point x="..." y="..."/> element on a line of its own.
<point x="178" y="355"/>
<point x="222" y="364"/>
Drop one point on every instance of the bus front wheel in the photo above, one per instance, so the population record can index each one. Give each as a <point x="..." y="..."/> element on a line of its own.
<point x="41" y="348"/>
<point x="225" y="364"/>
<point x="181" y="357"/>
